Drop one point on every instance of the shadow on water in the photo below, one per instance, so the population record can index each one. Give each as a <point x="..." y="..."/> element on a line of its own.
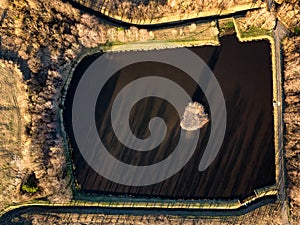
<point x="246" y="160"/>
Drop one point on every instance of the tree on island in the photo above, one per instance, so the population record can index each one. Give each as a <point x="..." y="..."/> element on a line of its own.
<point x="194" y="117"/>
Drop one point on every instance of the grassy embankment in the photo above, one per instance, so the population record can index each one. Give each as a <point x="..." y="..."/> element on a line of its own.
<point x="184" y="36"/>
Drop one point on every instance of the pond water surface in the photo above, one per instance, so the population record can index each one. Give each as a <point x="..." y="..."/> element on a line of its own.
<point x="246" y="160"/>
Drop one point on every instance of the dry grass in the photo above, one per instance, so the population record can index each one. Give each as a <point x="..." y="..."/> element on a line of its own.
<point x="292" y="122"/>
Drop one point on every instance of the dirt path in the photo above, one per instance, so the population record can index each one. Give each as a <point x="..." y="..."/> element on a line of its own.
<point x="280" y="32"/>
<point x="17" y="216"/>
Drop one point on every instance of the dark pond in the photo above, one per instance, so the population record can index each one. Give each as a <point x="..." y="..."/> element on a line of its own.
<point x="246" y="160"/>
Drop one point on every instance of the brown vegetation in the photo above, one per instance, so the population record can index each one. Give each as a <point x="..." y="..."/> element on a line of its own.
<point x="21" y="155"/>
<point x="289" y="14"/>
<point x="263" y="18"/>
<point x="142" y="10"/>
<point x="292" y="122"/>
<point x="38" y="36"/>
<point x="13" y="105"/>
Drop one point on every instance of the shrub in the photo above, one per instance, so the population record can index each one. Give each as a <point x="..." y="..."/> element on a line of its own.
<point x="29" y="189"/>
<point x="30" y="186"/>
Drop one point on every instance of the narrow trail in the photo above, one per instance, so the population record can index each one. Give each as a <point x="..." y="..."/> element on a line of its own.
<point x="9" y="218"/>
<point x="279" y="33"/>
